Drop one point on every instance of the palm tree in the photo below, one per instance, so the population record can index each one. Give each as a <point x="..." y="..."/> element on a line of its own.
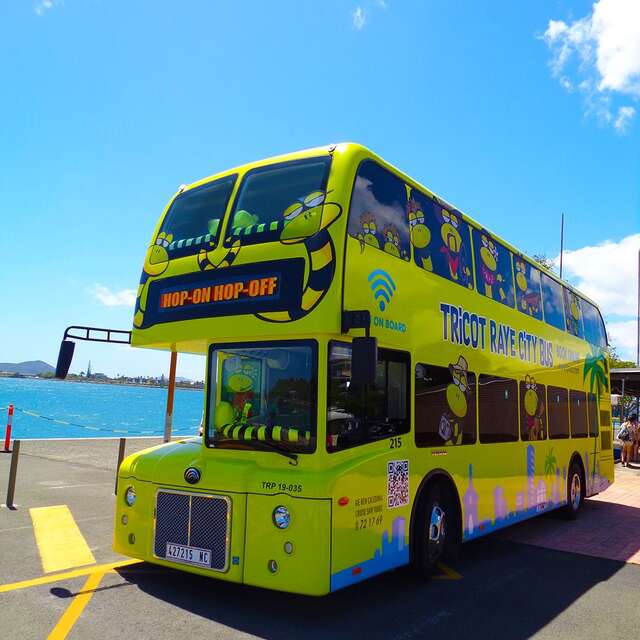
<point x="550" y="463"/>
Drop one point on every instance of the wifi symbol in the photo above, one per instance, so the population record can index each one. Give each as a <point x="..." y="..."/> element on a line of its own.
<point x="383" y="286"/>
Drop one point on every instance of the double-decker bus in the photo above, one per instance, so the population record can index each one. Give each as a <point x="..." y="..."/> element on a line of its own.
<point x="386" y="379"/>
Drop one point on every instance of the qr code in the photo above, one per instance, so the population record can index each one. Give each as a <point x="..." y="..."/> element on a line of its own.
<point x="397" y="483"/>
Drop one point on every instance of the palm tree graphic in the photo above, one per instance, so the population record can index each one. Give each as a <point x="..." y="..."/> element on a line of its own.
<point x="550" y="463"/>
<point x="596" y="370"/>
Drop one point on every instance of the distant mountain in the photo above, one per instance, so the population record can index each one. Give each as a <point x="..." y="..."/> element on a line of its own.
<point x="30" y="368"/>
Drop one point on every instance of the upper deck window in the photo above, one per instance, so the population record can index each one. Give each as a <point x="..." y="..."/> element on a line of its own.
<point x="195" y="216"/>
<point x="440" y="239"/>
<point x="271" y="196"/>
<point x="494" y="277"/>
<point x="528" y="294"/>
<point x="378" y="216"/>
<point x="573" y="313"/>
<point x="594" y="330"/>
<point x="553" y="303"/>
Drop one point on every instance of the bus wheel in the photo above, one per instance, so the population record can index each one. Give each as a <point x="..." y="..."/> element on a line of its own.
<point x="575" y="491"/>
<point x="434" y="537"/>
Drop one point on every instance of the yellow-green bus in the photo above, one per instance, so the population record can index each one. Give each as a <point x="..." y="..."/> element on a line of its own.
<point x="386" y="379"/>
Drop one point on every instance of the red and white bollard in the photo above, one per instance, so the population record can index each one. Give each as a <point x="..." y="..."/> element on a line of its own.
<point x="7" y="434"/>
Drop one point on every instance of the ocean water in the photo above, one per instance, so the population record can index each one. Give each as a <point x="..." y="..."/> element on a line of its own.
<point x="61" y="409"/>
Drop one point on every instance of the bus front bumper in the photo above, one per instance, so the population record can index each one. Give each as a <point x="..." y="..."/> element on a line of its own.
<point x="228" y="536"/>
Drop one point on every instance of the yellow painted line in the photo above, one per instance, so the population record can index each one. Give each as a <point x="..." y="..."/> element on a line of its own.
<point x="447" y="573"/>
<point x="75" y="609"/>
<point x="60" y="542"/>
<point x="67" y="575"/>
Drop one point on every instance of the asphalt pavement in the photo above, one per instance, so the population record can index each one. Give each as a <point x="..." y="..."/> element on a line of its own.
<point x="499" y="588"/>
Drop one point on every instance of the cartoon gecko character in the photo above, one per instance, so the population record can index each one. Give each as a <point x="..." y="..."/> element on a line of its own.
<point x="533" y="410"/>
<point x="419" y="233"/>
<point x="240" y="383"/>
<point x="369" y="230"/>
<point x="573" y="317"/>
<point x="529" y="302"/>
<point x="306" y="221"/>
<point x="155" y="264"/>
<point x="450" y="429"/>
<point x="489" y="260"/>
<point x="452" y="246"/>
<point x="391" y="237"/>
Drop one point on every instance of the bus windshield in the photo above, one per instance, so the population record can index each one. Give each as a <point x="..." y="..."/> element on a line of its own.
<point x="262" y="393"/>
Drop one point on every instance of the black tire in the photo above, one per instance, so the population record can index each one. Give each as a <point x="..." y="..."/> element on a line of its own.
<point x="436" y="534"/>
<point x="575" y="491"/>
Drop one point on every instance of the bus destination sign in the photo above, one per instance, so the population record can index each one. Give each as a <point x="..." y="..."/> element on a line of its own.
<point x="262" y="287"/>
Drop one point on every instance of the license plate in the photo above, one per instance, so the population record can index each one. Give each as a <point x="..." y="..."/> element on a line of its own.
<point x="188" y="555"/>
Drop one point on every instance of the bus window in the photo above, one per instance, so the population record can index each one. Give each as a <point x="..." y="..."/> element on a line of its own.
<point x="533" y="410"/>
<point x="528" y="297"/>
<point x="377" y="216"/>
<point x="357" y="416"/>
<point x="594" y="330"/>
<point x="552" y="301"/>
<point x="494" y="277"/>
<point x="573" y="313"/>
<point x="270" y="196"/>
<point x="592" y="413"/>
<point x="445" y="405"/>
<point x="498" y="409"/>
<point x="558" y="408"/>
<point x="262" y="393"/>
<point x="440" y="239"/>
<point x="195" y="216"/>
<point x="578" y="411"/>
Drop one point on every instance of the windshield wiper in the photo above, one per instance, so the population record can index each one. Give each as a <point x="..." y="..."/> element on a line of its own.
<point x="273" y="447"/>
<point x="267" y="445"/>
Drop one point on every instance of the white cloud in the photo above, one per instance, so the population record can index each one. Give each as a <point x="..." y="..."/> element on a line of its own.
<point x="358" y="18"/>
<point x="104" y="295"/>
<point x="44" y="5"/>
<point x="608" y="274"/>
<point x="624" y="335"/>
<point x="625" y="115"/>
<point x="602" y="50"/>
<point x="382" y="4"/>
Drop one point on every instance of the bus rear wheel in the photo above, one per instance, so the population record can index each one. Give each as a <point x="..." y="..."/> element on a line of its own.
<point x="575" y="491"/>
<point x="435" y="535"/>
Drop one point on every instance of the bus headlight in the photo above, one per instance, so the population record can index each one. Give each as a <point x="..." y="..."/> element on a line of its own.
<point x="281" y="517"/>
<point x="130" y="496"/>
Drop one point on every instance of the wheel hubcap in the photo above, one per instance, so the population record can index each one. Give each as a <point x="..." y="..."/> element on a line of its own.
<point x="437" y="532"/>
<point x="576" y="490"/>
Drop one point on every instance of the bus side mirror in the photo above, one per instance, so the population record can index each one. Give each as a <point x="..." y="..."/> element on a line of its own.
<point x="65" y="356"/>
<point x="364" y="359"/>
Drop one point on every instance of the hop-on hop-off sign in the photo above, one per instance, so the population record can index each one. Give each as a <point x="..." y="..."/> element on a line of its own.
<point x="255" y="288"/>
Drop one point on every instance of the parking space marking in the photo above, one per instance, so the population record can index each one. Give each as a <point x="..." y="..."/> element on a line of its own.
<point x="75" y="609"/>
<point x="67" y="575"/>
<point x="447" y="573"/>
<point x="59" y="540"/>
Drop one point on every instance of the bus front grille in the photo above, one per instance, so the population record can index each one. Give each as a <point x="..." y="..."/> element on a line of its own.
<point x="193" y="520"/>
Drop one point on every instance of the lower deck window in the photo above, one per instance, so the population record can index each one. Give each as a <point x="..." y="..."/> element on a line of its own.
<point x="578" y="414"/>
<point x="558" y="401"/>
<point x="356" y="416"/>
<point x="592" y="412"/>
<point x="498" y="409"/>
<point x="533" y="410"/>
<point x="445" y="405"/>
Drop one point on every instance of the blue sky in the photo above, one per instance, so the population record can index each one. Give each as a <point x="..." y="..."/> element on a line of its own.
<point x="513" y="111"/>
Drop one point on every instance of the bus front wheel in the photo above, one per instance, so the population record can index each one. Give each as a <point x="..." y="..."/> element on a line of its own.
<point x="435" y="537"/>
<point x="575" y="491"/>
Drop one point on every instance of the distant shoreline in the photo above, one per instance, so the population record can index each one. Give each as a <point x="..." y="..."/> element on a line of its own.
<point x="103" y="382"/>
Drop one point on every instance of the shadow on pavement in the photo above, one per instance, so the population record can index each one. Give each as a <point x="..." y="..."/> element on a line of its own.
<point x="507" y="590"/>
